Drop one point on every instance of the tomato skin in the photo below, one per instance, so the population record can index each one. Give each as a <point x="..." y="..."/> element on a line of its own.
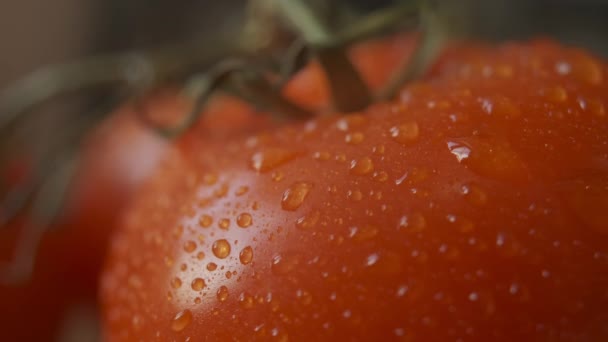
<point x="472" y="208"/>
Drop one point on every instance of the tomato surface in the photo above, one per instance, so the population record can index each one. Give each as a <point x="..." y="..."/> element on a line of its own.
<point x="470" y="208"/>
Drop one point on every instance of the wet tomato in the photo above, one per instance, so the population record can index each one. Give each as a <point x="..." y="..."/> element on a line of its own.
<point x="470" y="208"/>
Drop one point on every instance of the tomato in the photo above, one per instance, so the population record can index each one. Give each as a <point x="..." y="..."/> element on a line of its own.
<point x="63" y="287"/>
<point x="470" y="208"/>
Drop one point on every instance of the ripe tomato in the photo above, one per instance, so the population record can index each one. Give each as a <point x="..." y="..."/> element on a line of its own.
<point x="471" y="208"/>
<point x="117" y="158"/>
<point x="61" y="296"/>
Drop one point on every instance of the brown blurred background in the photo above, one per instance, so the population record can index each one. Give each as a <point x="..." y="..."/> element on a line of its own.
<point x="34" y="33"/>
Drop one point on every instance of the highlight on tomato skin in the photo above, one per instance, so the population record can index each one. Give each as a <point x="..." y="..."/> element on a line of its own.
<point x="471" y="208"/>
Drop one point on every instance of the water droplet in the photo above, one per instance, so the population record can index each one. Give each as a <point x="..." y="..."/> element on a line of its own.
<point x="246" y="255"/>
<point x="354" y="195"/>
<point x="210" y="178"/>
<point x="246" y="300"/>
<point x="460" y="151"/>
<point x="500" y="239"/>
<point x="224" y="223"/>
<point x="205" y="221"/>
<point x="304" y="297"/>
<point x="474" y="194"/>
<point x="354" y="120"/>
<point x="176" y="283"/>
<point x="181" y="320"/>
<point x="473" y="296"/>
<point x="363" y="233"/>
<point x="500" y="106"/>
<point x="354" y="138"/>
<point x="308" y="221"/>
<point x="379" y="150"/>
<point x="596" y="107"/>
<point x="271" y="158"/>
<point x="323" y="156"/>
<point x="220" y="192"/>
<point x="380" y="176"/>
<point x="372" y="259"/>
<point x="198" y="300"/>
<point x="240" y="191"/>
<point x="200" y="255"/>
<point x="402" y="290"/>
<point x="221" y="248"/>
<point x="222" y="293"/>
<point x="295" y="195"/>
<point x="277" y="176"/>
<point x="282" y="265"/>
<point x="415" y="223"/>
<point x="211" y="266"/>
<point x="406" y="133"/>
<point x="490" y="157"/>
<point x="183" y="267"/>
<point x="244" y="220"/>
<point x="255" y="205"/>
<point x="413" y="176"/>
<point x="189" y="246"/>
<point x="362" y="166"/>
<point x="198" y="284"/>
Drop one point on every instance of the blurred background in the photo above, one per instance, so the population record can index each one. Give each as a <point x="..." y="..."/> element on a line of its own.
<point x="36" y="33"/>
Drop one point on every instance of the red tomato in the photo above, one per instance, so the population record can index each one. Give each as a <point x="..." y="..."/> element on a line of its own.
<point x="64" y="282"/>
<point x="470" y="208"/>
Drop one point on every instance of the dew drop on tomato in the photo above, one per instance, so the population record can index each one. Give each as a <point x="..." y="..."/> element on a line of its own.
<point x="221" y="248"/>
<point x="246" y="255"/>
<point x="181" y="320"/>
<point x="413" y="223"/>
<point x="198" y="284"/>
<point x="222" y="293"/>
<point x="295" y="195"/>
<point x="244" y="220"/>
<point x="406" y="133"/>
<point x="176" y="283"/>
<point x="271" y="158"/>
<point x="246" y="300"/>
<point x="190" y="246"/>
<point x="354" y="138"/>
<point x="459" y="150"/>
<point x="362" y="166"/>
<point x="224" y="223"/>
<point x="474" y="194"/>
<point x="309" y="220"/>
<point x="205" y="221"/>
<point x="284" y="264"/>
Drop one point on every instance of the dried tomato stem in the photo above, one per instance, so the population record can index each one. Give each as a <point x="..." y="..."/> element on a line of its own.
<point x="432" y="41"/>
<point x="333" y="57"/>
